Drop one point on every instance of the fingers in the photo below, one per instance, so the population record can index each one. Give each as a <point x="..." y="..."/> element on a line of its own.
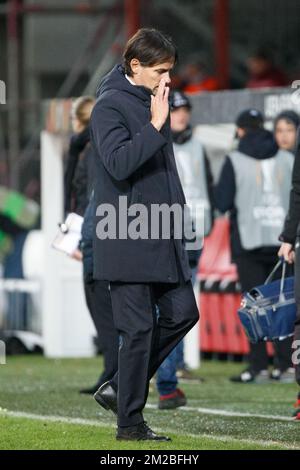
<point x="161" y="89"/>
<point x="279" y="254"/>
<point x="166" y="93"/>
<point x="287" y="252"/>
<point x="292" y="257"/>
<point x="283" y="253"/>
<point x="289" y="256"/>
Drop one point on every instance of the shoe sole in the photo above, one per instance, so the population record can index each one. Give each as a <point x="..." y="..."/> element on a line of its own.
<point x="103" y="403"/>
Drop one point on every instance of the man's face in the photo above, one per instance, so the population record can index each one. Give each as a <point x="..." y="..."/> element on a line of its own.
<point x="258" y="66"/>
<point x="285" y="135"/>
<point x="180" y="119"/>
<point x="150" y="77"/>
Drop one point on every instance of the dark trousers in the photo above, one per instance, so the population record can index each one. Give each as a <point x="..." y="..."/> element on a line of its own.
<point x="99" y="304"/>
<point x="253" y="270"/>
<point x="145" y="339"/>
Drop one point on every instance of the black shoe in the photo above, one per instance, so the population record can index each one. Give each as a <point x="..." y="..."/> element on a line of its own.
<point x="140" y="432"/>
<point x="172" y="401"/>
<point x="106" y="396"/>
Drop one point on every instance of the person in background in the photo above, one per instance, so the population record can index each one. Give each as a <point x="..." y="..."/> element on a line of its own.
<point x="18" y="215"/>
<point x="286" y="126"/>
<point x="290" y="250"/>
<point x="79" y="199"/>
<point x="99" y="303"/>
<point x="193" y="168"/>
<point x="78" y="178"/>
<point x="263" y="73"/>
<point x="254" y="186"/>
<point x="195" y="78"/>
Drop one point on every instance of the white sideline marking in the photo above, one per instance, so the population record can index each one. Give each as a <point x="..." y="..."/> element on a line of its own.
<point x="90" y="422"/>
<point x="215" y="411"/>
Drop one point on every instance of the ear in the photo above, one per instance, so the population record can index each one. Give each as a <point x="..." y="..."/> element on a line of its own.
<point x="135" y="65"/>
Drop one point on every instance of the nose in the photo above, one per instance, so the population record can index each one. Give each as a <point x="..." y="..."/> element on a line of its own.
<point x="167" y="77"/>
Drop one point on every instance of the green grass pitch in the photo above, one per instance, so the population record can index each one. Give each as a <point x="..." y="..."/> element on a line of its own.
<point x="40" y="408"/>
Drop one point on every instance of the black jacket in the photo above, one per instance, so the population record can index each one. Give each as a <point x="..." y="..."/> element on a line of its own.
<point x="292" y="220"/>
<point x="79" y="173"/>
<point x="83" y="181"/>
<point x="260" y="145"/>
<point x="134" y="160"/>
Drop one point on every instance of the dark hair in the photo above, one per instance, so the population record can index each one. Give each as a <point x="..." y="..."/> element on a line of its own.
<point x="290" y="116"/>
<point x="264" y="53"/>
<point x="150" y="47"/>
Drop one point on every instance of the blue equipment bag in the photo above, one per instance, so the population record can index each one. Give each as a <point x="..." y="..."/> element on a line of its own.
<point x="268" y="312"/>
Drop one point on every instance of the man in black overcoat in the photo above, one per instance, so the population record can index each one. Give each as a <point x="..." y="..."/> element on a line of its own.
<point x="146" y="268"/>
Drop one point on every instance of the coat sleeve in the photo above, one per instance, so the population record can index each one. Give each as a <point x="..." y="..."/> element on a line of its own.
<point x="293" y="217"/>
<point x="122" y="153"/>
<point x="77" y="144"/>
<point x="224" y="191"/>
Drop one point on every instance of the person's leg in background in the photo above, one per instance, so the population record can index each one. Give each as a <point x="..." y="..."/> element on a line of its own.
<point x="170" y="396"/>
<point x="283" y="370"/>
<point x="283" y="366"/>
<point x="183" y="372"/>
<point x="99" y="304"/>
<point x="97" y="295"/>
<point x="17" y="312"/>
<point x="252" y="273"/>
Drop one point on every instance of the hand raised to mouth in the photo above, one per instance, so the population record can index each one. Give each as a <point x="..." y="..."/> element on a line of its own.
<point x="160" y="104"/>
